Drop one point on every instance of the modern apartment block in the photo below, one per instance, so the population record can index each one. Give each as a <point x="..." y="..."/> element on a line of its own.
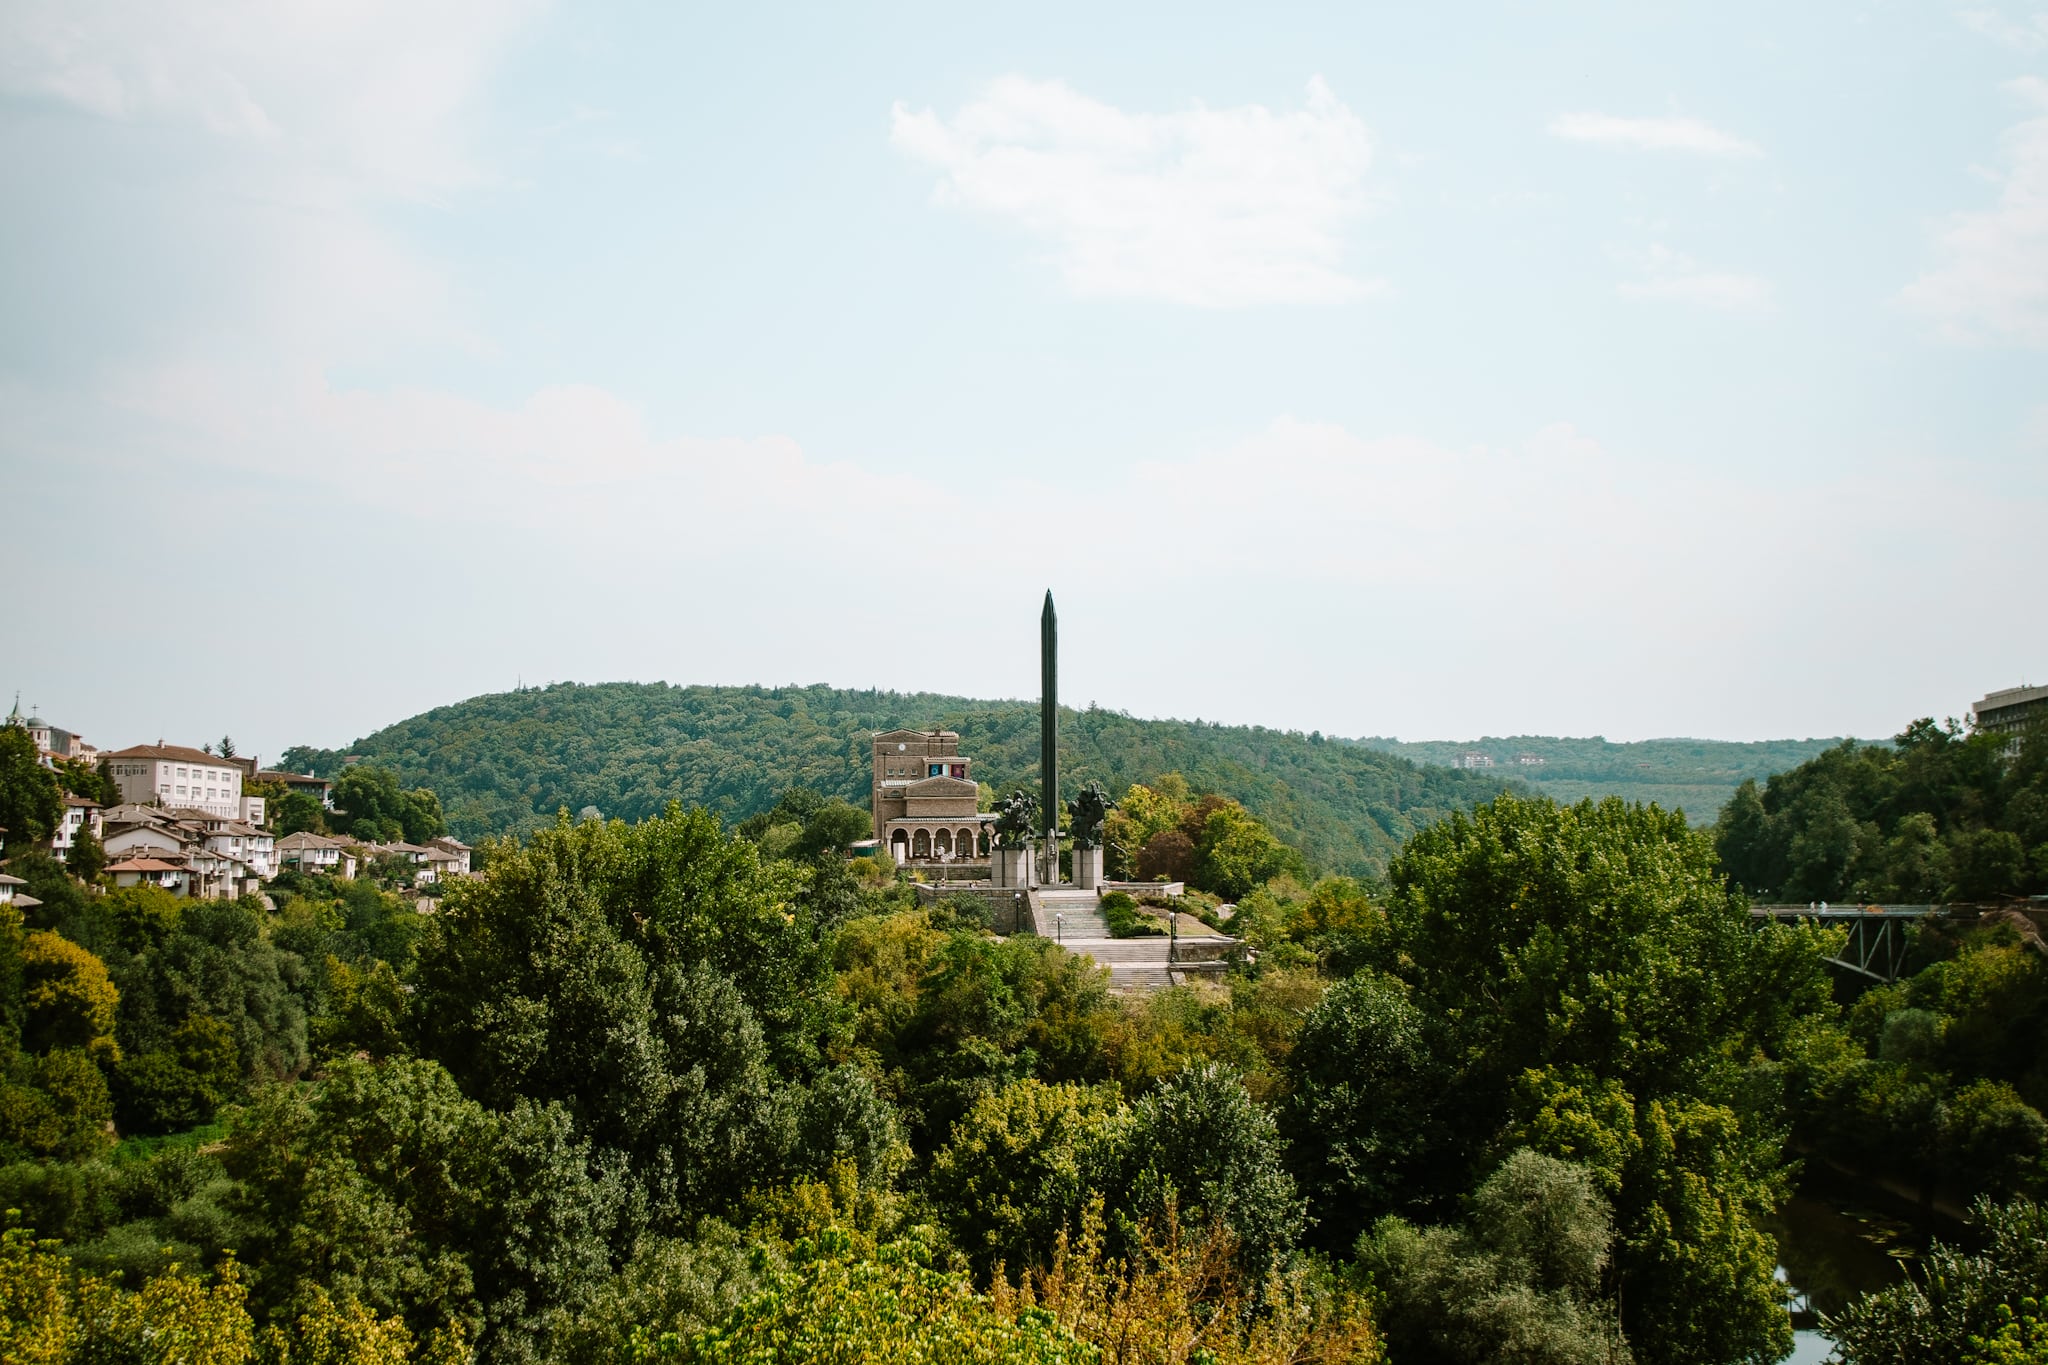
<point x="2010" y="711"/>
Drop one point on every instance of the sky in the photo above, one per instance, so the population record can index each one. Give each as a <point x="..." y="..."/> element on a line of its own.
<point x="1432" y="371"/>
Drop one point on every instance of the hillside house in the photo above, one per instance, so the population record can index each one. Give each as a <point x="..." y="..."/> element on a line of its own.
<point x="80" y="813"/>
<point x="316" y="854"/>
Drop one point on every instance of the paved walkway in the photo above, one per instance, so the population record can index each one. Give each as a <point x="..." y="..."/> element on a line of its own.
<point x="1074" y="920"/>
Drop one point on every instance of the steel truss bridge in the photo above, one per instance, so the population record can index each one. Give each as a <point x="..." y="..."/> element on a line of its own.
<point x="1876" y="946"/>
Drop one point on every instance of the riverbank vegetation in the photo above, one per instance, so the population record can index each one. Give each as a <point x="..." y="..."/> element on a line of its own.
<point x="665" y="1090"/>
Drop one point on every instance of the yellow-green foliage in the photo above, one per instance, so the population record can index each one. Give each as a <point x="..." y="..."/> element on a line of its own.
<point x="67" y="997"/>
<point x="347" y="1333"/>
<point x="36" y="1323"/>
<point x="2021" y="1339"/>
<point x="1176" y="1300"/>
<point x="1020" y="1164"/>
<point x="177" y="1319"/>
<point x="835" y="1310"/>
<point x="51" y="1316"/>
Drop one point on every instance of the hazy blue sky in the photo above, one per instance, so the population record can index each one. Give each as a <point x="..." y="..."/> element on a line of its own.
<point x="1638" y="369"/>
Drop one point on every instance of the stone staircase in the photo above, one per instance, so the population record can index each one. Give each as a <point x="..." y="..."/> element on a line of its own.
<point x="1074" y="919"/>
<point x="1068" y="915"/>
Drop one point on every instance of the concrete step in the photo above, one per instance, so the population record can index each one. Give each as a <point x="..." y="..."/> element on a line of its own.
<point x="1140" y="979"/>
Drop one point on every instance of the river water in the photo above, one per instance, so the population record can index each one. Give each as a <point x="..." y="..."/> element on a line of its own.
<point x="1831" y="1248"/>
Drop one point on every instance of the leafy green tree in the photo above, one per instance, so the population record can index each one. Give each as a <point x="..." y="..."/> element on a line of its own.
<point x="831" y="829"/>
<point x="1520" y="1282"/>
<point x="31" y="800"/>
<point x="1236" y="852"/>
<point x="659" y="981"/>
<point x="1020" y="1167"/>
<point x="210" y="959"/>
<point x="420" y="816"/>
<point x="1935" y="815"/>
<point x="297" y="812"/>
<point x="94" y="783"/>
<point x="88" y="856"/>
<point x="382" y="1184"/>
<point x="1963" y="1298"/>
<point x="1363" y="1112"/>
<point x="370" y="804"/>
<point x="183" y="1083"/>
<point x="1604" y="997"/>
<point x="1200" y="1144"/>
<point x="986" y="1014"/>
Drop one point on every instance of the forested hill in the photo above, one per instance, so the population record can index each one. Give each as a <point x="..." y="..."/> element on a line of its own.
<point x="1697" y="776"/>
<point x="509" y="761"/>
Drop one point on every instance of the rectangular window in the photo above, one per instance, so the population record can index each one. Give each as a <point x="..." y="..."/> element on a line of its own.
<point x="936" y="770"/>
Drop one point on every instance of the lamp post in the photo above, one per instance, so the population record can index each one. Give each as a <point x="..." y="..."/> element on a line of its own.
<point x="1059" y="928"/>
<point x="1172" y="933"/>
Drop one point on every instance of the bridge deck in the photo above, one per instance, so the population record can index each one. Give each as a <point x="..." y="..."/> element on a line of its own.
<point x="1848" y="912"/>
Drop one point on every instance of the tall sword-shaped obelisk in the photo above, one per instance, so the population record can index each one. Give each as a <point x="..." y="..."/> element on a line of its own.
<point x="1049" y="731"/>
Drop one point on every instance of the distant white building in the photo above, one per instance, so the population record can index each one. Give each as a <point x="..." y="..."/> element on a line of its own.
<point x="173" y="775"/>
<point x="52" y="742"/>
<point x="454" y="856"/>
<point x="1474" y="759"/>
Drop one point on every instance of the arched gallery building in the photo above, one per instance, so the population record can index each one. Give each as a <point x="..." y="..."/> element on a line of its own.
<point x="925" y="799"/>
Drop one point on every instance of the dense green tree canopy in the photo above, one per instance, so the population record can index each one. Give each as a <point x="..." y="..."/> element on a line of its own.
<point x="370" y="805"/>
<point x="1937" y="815"/>
<point x="657" y="981"/>
<point x="1593" y="991"/>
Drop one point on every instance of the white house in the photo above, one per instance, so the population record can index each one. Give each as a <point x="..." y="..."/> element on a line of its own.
<point x="456" y="864"/>
<point x="247" y="843"/>
<point x="172" y="775"/>
<point x="316" y="853"/>
<point x="142" y="870"/>
<point x="80" y="813"/>
<point x="164" y="839"/>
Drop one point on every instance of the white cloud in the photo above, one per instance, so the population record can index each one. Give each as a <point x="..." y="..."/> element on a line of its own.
<point x="1651" y="134"/>
<point x="1673" y="276"/>
<point x="1992" y="283"/>
<point x="373" y="92"/>
<point x="1212" y="207"/>
<point x="2028" y="34"/>
<point x="263" y="145"/>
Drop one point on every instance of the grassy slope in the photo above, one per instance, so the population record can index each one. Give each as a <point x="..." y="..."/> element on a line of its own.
<point x="508" y="761"/>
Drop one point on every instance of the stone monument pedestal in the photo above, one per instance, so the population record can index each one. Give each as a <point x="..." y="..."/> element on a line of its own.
<point x="1011" y="868"/>
<point x="1088" y="868"/>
